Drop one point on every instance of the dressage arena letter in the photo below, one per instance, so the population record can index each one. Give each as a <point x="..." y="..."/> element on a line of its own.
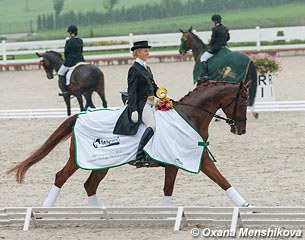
<point x="265" y="88"/>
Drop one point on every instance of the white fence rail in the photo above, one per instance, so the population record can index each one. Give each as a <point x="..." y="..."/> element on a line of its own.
<point x="177" y="216"/>
<point x="11" y="49"/>
<point x="277" y="106"/>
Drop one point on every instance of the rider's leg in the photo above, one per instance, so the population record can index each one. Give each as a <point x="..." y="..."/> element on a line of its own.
<point x="204" y="59"/>
<point x="62" y="79"/>
<point x="148" y="118"/>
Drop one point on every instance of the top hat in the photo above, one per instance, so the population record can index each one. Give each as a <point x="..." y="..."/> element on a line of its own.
<point x="140" y="44"/>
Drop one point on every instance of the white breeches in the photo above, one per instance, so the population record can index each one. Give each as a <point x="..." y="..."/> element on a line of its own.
<point x="62" y="71"/>
<point x="206" y="56"/>
<point x="148" y="115"/>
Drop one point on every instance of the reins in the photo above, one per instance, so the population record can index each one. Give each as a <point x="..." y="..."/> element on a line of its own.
<point x="227" y="120"/>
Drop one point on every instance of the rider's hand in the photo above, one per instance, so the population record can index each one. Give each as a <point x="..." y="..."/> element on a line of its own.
<point x="135" y="116"/>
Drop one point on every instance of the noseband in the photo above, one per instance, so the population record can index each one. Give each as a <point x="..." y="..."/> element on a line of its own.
<point x="234" y="117"/>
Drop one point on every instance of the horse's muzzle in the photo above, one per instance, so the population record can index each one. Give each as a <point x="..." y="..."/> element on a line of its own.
<point x="237" y="131"/>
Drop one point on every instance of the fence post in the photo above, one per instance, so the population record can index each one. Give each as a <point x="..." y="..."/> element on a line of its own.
<point x="130" y="40"/>
<point x="4" y="52"/>
<point x="258" y="39"/>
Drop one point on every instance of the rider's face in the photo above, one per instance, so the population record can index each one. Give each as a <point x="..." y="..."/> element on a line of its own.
<point x="143" y="53"/>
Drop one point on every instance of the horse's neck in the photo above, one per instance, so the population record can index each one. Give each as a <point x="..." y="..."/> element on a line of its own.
<point x="197" y="52"/>
<point x="57" y="64"/>
<point x="203" y="104"/>
<point x="198" y="48"/>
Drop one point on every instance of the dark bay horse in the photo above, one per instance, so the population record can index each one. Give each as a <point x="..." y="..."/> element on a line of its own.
<point x="190" y="41"/>
<point x="198" y="107"/>
<point x="85" y="79"/>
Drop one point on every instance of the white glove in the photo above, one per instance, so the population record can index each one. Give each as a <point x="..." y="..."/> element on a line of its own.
<point x="135" y="116"/>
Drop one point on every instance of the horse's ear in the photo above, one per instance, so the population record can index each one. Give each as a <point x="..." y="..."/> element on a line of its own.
<point x="38" y="54"/>
<point x="191" y="29"/>
<point x="248" y="84"/>
<point x="181" y="30"/>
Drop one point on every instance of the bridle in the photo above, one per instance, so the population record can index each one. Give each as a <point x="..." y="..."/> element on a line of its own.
<point x="50" y="73"/>
<point x="230" y="121"/>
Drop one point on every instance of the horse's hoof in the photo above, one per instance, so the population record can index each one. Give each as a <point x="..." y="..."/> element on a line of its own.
<point x="255" y="115"/>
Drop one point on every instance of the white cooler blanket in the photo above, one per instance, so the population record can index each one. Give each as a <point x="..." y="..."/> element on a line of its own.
<point x="175" y="141"/>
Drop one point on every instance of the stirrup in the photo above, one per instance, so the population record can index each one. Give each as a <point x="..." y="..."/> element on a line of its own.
<point x="144" y="162"/>
<point x="62" y="94"/>
<point x="203" y="79"/>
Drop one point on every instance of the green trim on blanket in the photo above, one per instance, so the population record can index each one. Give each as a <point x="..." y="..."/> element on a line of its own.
<point x="205" y="144"/>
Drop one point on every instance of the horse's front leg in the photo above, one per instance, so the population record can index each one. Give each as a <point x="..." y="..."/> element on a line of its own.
<point x="169" y="183"/>
<point x="91" y="186"/>
<point x="209" y="168"/>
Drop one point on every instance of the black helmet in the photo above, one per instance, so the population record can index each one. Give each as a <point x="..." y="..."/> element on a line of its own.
<point x="216" y="18"/>
<point x="72" y="29"/>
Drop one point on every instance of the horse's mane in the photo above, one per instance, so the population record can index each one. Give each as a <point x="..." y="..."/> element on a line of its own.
<point x="51" y="53"/>
<point x="205" y="85"/>
<point x="198" y="40"/>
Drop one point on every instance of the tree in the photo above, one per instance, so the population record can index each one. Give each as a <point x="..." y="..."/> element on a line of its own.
<point x="109" y="4"/>
<point x="58" y="6"/>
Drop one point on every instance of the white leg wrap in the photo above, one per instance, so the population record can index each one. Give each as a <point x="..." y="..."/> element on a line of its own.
<point x="51" y="199"/>
<point x="93" y="201"/>
<point x="235" y="197"/>
<point x="166" y="201"/>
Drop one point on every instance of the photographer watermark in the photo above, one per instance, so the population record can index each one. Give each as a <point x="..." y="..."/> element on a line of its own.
<point x="246" y="232"/>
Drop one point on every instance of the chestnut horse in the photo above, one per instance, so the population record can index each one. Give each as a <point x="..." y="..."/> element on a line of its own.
<point x="85" y="79"/>
<point x="190" y="41"/>
<point x="198" y="107"/>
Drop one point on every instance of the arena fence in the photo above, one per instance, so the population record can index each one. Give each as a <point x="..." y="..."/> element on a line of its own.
<point x="276" y="106"/>
<point x="231" y="217"/>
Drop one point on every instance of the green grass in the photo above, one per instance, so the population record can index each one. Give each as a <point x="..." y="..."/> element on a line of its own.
<point x="17" y="10"/>
<point x="263" y="17"/>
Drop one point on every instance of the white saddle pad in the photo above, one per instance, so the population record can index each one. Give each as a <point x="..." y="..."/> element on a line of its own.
<point x="175" y="141"/>
<point x="70" y="71"/>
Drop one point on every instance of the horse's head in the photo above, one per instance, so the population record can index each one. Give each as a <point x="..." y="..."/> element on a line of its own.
<point x="50" y="61"/>
<point x="186" y="42"/>
<point x="235" y="108"/>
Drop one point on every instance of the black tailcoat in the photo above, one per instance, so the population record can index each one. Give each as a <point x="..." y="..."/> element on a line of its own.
<point x="220" y="37"/>
<point x="141" y="84"/>
<point x="73" y="51"/>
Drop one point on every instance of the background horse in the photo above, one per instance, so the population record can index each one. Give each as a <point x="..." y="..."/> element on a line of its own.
<point x="190" y="41"/>
<point x="85" y="79"/>
<point x="198" y="107"/>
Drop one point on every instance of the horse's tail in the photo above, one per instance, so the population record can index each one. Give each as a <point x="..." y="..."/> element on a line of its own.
<point x="253" y="88"/>
<point x="59" y="135"/>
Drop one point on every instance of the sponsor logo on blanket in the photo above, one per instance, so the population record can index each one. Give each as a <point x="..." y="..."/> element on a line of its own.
<point x="102" y="143"/>
<point x="227" y="72"/>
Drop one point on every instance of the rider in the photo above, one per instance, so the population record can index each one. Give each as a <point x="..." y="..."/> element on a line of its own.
<point x="220" y="37"/>
<point x="140" y="105"/>
<point x="73" y="54"/>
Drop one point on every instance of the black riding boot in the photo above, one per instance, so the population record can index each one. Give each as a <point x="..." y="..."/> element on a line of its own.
<point x="205" y="69"/>
<point x="141" y="158"/>
<point x="62" y="85"/>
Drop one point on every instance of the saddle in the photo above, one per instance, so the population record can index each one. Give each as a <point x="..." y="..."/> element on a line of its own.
<point x="71" y="69"/>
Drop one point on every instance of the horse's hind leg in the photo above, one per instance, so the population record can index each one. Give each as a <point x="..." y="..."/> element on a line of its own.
<point x="169" y="182"/>
<point x="88" y="97"/>
<point x="103" y="98"/>
<point x="91" y="186"/>
<point x="79" y="98"/>
<point x="61" y="177"/>
<point x="208" y="167"/>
